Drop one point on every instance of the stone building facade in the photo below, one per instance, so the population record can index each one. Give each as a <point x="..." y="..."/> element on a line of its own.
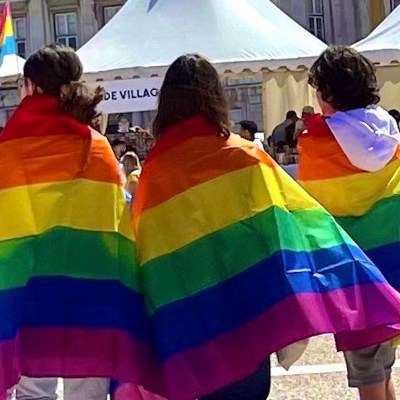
<point x="70" y="22"/>
<point x="74" y="22"/>
<point x="338" y="21"/>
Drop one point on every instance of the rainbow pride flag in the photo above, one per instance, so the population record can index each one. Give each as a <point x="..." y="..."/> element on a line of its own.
<point x="237" y="262"/>
<point x="7" y="39"/>
<point x="364" y="203"/>
<point x="69" y="299"/>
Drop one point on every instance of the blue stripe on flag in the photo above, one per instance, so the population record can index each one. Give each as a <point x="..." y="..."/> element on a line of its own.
<point x="9" y="46"/>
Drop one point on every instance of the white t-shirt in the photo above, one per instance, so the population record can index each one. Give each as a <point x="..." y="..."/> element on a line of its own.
<point x="259" y="144"/>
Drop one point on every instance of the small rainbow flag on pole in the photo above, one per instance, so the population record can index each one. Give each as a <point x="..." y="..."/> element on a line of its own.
<point x="7" y="39"/>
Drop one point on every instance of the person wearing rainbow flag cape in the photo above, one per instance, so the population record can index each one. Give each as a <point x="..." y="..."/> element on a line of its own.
<point x="350" y="163"/>
<point x="236" y="260"/>
<point x="68" y="304"/>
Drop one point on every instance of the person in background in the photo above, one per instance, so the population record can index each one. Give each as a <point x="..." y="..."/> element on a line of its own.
<point x="132" y="169"/>
<point x="349" y="162"/>
<point x="63" y="301"/>
<point x="300" y="124"/>
<point x="281" y="134"/>
<point x="396" y="115"/>
<point x="248" y="130"/>
<point x="119" y="148"/>
<point x="135" y="129"/>
<point x="140" y="141"/>
<point x="123" y="126"/>
<point x="129" y="148"/>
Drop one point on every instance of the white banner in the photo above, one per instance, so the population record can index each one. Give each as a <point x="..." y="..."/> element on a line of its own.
<point x="130" y="95"/>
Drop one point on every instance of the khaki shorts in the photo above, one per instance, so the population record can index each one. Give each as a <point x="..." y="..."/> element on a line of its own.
<point x="370" y="365"/>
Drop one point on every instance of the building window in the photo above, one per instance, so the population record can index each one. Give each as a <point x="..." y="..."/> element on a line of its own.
<point x="66" y="29"/>
<point x="316" y="18"/>
<point x="20" y="35"/>
<point x="109" y="12"/>
<point x="394" y="4"/>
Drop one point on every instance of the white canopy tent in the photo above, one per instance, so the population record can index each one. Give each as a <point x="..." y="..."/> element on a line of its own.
<point x="382" y="46"/>
<point x="147" y="35"/>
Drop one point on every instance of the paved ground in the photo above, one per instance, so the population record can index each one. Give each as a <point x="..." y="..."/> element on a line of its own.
<point x="320" y="374"/>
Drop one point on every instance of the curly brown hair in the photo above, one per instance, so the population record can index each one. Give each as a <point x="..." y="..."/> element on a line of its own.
<point x="345" y="78"/>
<point x="191" y="87"/>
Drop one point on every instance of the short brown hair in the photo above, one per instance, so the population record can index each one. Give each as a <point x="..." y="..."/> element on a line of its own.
<point x="345" y="78"/>
<point x="191" y="87"/>
<point x="56" y="70"/>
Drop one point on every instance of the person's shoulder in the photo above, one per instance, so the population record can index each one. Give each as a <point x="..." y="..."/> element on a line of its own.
<point x="102" y="152"/>
<point x="316" y="126"/>
<point x="299" y="124"/>
<point x="246" y="152"/>
<point x="98" y="137"/>
<point x="133" y="177"/>
<point x="278" y="127"/>
<point x="100" y="141"/>
<point x="259" y="144"/>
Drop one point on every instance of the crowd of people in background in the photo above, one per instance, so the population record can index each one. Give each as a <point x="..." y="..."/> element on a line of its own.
<point x="136" y="139"/>
<point x="281" y="144"/>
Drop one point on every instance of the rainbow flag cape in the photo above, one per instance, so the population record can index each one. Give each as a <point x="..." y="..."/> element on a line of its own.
<point x="7" y="39"/>
<point x="364" y="203"/>
<point x="70" y="305"/>
<point x="237" y="261"/>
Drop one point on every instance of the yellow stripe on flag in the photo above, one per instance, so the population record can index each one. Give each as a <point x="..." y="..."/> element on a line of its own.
<point x="355" y="195"/>
<point x="230" y="198"/>
<point x="80" y="204"/>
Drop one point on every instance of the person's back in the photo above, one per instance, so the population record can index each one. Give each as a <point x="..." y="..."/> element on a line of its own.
<point x="235" y="254"/>
<point x="349" y="162"/>
<point x="281" y="134"/>
<point x="67" y="256"/>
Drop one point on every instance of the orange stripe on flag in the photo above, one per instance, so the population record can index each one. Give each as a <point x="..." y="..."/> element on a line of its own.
<point x="68" y="162"/>
<point x="196" y="158"/>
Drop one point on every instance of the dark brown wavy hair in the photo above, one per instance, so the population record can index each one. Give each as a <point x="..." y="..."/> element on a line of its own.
<point x="56" y="70"/>
<point x="191" y="87"/>
<point x="345" y="78"/>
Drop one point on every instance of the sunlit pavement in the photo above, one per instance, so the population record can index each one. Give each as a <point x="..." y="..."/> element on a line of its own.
<point x="319" y="375"/>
